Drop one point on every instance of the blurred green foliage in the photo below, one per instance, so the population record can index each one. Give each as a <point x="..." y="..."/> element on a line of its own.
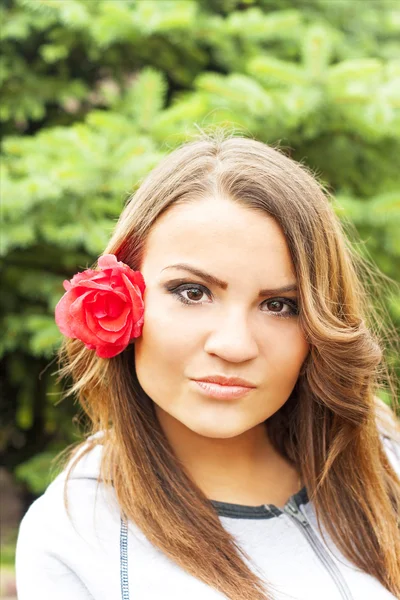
<point x="7" y="557"/>
<point x="95" y="93"/>
<point x="35" y="472"/>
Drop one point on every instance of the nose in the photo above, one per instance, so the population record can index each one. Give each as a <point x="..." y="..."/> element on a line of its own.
<point x="232" y="339"/>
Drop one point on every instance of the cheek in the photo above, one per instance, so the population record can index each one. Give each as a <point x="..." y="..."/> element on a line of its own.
<point x="163" y="348"/>
<point x="286" y="352"/>
<point x="165" y="329"/>
<point x="284" y="358"/>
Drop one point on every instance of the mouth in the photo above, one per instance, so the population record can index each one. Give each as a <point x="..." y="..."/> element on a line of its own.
<point x="223" y="392"/>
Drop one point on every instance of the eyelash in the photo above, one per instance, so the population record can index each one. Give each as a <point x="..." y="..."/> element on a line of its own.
<point x="292" y="304"/>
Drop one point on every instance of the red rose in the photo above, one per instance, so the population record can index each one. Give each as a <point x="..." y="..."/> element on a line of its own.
<point x="103" y="308"/>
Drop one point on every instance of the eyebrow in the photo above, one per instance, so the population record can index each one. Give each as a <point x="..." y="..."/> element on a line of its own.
<point x="223" y="284"/>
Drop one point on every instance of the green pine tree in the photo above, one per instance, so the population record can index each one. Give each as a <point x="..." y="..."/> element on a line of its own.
<point x="85" y="81"/>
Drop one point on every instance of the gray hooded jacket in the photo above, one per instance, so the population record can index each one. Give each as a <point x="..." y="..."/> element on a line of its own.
<point x="101" y="557"/>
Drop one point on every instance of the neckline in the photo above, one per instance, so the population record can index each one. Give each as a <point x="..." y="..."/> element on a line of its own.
<point x="262" y="511"/>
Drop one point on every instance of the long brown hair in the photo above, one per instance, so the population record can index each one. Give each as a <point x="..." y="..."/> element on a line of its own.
<point x="330" y="426"/>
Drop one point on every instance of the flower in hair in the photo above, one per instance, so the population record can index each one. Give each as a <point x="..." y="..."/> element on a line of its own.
<point x="103" y="308"/>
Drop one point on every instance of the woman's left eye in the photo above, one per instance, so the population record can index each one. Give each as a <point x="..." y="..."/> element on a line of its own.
<point x="290" y="303"/>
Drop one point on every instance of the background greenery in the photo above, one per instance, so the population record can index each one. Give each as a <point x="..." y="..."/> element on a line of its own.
<point x="96" y="92"/>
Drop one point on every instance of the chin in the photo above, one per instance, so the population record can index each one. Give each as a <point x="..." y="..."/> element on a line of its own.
<point x="216" y="432"/>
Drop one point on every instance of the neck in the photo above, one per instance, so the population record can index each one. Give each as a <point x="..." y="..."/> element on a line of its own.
<point x="243" y="467"/>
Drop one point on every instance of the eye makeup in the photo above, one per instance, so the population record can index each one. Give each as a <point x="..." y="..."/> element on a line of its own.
<point x="184" y="285"/>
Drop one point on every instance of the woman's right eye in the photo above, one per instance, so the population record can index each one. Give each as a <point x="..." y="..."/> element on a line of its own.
<point x="196" y="292"/>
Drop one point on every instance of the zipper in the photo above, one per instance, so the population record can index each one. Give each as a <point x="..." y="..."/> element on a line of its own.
<point x="293" y="510"/>
<point x="123" y="540"/>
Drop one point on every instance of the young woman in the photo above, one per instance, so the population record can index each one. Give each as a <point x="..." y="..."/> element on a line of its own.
<point x="226" y="353"/>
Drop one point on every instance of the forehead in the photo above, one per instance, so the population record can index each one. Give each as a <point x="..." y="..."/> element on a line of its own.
<point x="221" y="235"/>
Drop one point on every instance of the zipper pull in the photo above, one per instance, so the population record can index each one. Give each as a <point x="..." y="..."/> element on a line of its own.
<point x="292" y="508"/>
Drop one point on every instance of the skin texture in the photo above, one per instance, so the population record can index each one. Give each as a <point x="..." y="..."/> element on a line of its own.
<point x="223" y="444"/>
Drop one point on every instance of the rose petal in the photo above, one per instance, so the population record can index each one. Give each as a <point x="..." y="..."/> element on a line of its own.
<point x="112" y="305"/>
<point x="98" y="305"/>
<point x="108" y="351"/>
<point x="79" y="325"/>
<point x="135" y="277"/>
<point x="125" y="338"/>
<point x="116" y="281"/>
<point x="115" y="323"/>
<point x="94" y="285"/>
<point x="115" y="305"/>
<point x="102" y="335"/>
<point x="63" y="316"/>
<point x="92" y="324"/>
<point x="107" y="261"/>
<point x="83" y="276"/>
<point x="137" y="307"/>
<point x="110" y="337"/>
<point x="98" y="277"/>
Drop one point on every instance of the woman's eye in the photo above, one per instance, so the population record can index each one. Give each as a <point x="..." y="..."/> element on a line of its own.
<point x="195" y="294"/>
<point x="279" y="307"/>
<point x="291" y="305"/>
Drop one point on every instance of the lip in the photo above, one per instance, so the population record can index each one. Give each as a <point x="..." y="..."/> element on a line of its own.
<point x="223" y="392"/>
<point x="221" y="380"/>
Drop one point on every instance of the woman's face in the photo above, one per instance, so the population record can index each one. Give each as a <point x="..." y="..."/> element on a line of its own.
<point x="231" y="331"/>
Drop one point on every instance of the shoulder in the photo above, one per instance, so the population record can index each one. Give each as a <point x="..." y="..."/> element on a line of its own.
<point x="47" y="525"/>
<point x="61" y="554"/>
